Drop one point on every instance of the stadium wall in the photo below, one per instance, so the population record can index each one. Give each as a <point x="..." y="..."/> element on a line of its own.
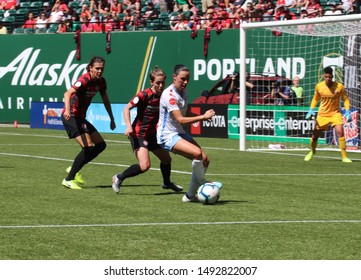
<point x="40" y="67"/>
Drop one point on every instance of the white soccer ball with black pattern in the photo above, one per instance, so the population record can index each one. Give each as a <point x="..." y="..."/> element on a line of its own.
<point x="208" y="193"/>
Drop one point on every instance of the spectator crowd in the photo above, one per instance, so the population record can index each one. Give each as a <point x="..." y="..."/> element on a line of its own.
<point x="18" y="16"/>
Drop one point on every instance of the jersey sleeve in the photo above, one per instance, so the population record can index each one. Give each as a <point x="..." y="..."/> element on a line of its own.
<point x="79" y="84"/>
<point x="170" y="102"/>
<point x="315" y="98"/>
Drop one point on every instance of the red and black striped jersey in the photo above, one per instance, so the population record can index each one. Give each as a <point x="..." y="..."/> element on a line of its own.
<point x="86" y="88"/>
<point x="147" y="104"/>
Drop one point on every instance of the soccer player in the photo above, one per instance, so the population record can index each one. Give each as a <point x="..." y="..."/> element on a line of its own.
<point x="142" y="133"/>
<point x="329" y="112"/>
<point x="170" y="133"/>
<point x="76" y="102"/>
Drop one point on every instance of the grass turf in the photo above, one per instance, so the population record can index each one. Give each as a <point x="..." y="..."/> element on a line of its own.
<point x="273" y="206"/>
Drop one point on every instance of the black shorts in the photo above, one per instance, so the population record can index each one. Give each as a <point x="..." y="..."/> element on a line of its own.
<point x="77" y="126"/>
<point x="149" y="143"/>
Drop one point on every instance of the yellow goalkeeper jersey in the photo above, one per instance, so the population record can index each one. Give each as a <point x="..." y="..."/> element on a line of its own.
<point x="330" y="98"/>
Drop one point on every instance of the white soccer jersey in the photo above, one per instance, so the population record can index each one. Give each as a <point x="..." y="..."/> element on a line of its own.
<point x="170" y="101"/>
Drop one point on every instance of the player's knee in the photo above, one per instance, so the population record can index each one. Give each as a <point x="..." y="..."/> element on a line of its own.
<point x="100" y="147"/>
<point x="197" y="154"/>
<point x="144" y="166"/>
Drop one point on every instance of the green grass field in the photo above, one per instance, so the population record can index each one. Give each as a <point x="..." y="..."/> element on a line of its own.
<point x="273" y="205"/>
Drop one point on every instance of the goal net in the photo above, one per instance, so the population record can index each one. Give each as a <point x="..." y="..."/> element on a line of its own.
<point x="279" y="52"/>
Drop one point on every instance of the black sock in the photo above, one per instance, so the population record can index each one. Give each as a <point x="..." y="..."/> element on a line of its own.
<point x="131" y="171"/>
<point x="165" y="169"/>
<point x="78" y="163"/>
<point x="86" y="155"/>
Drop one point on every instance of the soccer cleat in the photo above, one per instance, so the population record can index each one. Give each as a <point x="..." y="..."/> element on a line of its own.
<point x="309" y="156"/>
<point x="347" y="160"/>
<point x="78" y="177"/>
<point x="219" y="185"/>
<point x="116" y="183"/>
<point x="185" y="198"/>
<point x="72" y="184"/>
<point x="173" y="187"/>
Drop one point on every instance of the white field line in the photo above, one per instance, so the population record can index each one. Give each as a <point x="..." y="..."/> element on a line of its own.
<point x="177" y="171"/>
<point x="182" y="172"/>
<point x="54" y="136"/>
<point x="188" y="223"/>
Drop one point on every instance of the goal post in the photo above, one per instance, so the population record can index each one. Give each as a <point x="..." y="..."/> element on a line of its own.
<point x="297" y="48"/>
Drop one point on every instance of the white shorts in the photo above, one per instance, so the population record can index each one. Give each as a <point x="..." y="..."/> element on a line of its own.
<point x="169" y="143"/>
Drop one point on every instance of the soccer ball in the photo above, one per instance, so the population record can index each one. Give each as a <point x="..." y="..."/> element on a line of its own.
<point x="208" y="193"/>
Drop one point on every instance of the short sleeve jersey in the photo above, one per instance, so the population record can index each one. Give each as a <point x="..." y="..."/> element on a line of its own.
<point x="170" y="101"/>
<point x="330" y="98"/>
<point x="145" y="123"/>
<point x="86" y="89"/>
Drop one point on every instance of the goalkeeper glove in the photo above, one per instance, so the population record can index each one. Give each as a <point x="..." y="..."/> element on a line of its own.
<point x="310" y="113"/>
<point x="348" y="115"/>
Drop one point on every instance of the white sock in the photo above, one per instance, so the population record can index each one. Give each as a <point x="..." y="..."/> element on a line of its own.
<point x="197" y="177"/>
<point x="193" y="187"/>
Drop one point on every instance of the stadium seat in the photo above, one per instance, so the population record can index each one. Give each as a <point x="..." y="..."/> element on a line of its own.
<point x="18" y="30"/>
<point x="9" y="23"/>
<point x="52" y="29"/>
<point x="74" y="4"/>
<point x="29" y="30"/>
<point x="20" y="15"/>
<point x="41" y="30"/>
<point x="85" y="3"/>
<point x="35" y="7"/>
<point x="25" y="5"/>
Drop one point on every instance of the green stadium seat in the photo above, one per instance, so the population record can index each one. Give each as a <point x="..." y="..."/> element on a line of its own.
<point x="52" y="29"/>
<point x="29" y="30"/>
<point x="9" y="23"/>
<point x="18" y="30"/>
<point x="74" y="4"/>
<point x="21" y="15"/>
<point x="25" y="4"/>
<point x="35" y="7"/>
<point x="41" y="30"/>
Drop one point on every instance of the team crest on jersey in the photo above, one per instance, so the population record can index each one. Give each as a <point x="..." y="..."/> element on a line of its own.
<point x="136" y="100"/>
<point x="77" y="84"/>
<point x="172" y="101"/>
<point x="145" y="143"/>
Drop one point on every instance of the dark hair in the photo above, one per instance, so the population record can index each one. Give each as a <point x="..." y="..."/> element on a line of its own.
<point x="180" y="67"/>
<point x="94" y="59"/>
<point x="156" y="72"/>
<point x="328" y="70"/>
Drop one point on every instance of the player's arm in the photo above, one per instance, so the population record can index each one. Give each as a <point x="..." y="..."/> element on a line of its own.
<point x="313" y="105"/>
<point x="186" y="120"/>
<point x="67" y="97"/>
<point x="346" y="103"/>
<point x="108" y="108"/>
<point x="126" y="114"/>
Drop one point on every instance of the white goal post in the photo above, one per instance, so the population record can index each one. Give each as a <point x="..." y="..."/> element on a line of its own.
<point x="301" y="48"/>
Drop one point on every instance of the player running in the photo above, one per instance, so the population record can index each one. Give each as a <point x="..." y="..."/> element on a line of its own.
<point x="329" y="112"/>
<point x="76" y="102"/>
<point x="170" y="133"/>
<point x="142" y="133"/>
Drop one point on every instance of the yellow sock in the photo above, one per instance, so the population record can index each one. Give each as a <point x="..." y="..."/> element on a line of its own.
<point x="313" y="145"/>
<point x="342" y="145"/>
